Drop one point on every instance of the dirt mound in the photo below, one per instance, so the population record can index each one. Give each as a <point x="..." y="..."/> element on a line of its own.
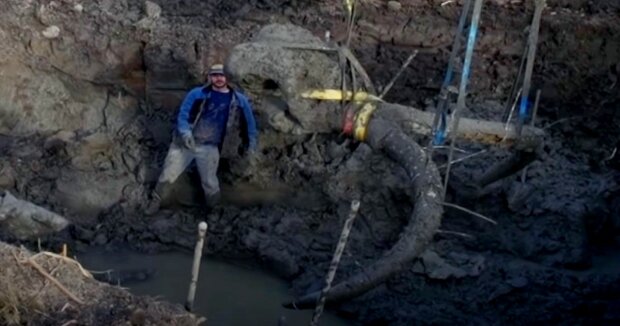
<point x="48" y="289"/>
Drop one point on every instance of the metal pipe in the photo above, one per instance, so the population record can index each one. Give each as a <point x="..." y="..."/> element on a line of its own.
<point x="342" y="242"/>
<point x="443" y="92"/>
<point x="202" y="231"/>
<point x="532" y="122"/>
<point x="529" y="67"/>
<point x="513" y="90"/>
<point x="460" y="104"/>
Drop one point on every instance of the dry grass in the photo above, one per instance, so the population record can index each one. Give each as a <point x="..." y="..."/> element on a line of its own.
<point x="9" y="303"/>
<point x="16" y="303"/>
<point x="49" y="289"/>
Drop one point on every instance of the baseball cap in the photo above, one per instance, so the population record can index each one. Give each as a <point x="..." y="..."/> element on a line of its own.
<point x="216" y="69"/>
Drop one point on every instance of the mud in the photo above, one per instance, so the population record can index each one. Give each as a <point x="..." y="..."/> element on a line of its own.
<point x="545" y="261"/>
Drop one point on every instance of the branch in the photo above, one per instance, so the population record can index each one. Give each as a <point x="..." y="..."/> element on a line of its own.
<point x="464" y="235"/>
<point x="62" y="288"/>
<point x="461" y="208"/>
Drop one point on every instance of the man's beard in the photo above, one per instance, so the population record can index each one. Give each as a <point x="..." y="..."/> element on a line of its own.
<point x="219" y="84"/>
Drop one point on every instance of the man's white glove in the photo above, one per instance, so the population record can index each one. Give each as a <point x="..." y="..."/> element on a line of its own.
<point x="188" y="141"/>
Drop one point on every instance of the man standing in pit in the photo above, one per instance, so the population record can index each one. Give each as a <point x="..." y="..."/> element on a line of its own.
<point x="208" y="115"/>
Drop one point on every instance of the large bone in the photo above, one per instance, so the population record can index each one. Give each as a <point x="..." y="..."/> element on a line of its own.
<point x="270" y="70"/>
<point x="478" y="131"/>
<point x="424" y="221"/>
<point x="25" y="220"/>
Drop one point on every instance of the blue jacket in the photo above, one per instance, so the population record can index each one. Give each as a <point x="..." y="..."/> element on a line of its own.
<point x="207" y="128"/>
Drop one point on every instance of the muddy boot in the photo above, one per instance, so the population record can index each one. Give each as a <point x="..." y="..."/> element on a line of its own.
<point x="161" y="190"/>
<point x="152" y="206"/>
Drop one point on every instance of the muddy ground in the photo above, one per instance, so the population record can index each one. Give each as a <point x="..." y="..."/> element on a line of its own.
<point x="86" y="120"/>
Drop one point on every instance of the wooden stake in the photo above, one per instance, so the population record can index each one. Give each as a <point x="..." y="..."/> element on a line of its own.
<point x="202" y="231"/>
<point x="342" y="242"/>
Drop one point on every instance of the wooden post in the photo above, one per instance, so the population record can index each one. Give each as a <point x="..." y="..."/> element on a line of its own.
<point x="202" y="230"/>
<point x="342" y="242"/>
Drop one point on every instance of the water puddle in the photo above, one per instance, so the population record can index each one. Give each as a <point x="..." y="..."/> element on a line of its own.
<point x="227" y="294"/>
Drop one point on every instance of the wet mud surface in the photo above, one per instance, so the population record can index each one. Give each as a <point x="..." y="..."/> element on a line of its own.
<point x="550" y="259"/>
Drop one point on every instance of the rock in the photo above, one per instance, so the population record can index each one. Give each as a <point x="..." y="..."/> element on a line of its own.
<point x="25" y="220"/>
<point x="83" y="234"/>
<point x="78" y="7"/>
<point x="453" y="266"/>
<point x="153" y="10"/>
<point x="394" y="5"/>
<point x="7" y="177"/>
<point x="100" y="239"/>
<point x="51" y="32"/>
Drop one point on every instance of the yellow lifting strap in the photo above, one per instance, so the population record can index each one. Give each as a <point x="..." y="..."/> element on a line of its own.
<point x="362" y="119"/>
<point x="337" y="95"/>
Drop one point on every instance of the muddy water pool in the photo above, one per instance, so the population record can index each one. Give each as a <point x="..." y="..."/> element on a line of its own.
<point x="227" y="293"/>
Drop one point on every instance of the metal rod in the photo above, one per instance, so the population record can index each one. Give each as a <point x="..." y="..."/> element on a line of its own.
<point x="460" y="104"/>
<point x="464" y="235"/>
<point x="535" y="112"/>
<point x="333" y="266"/>
<point x="529" y="67"/>
<point x="342" y="63"/>
<point x="202" y="231"/>
<point x="524" y="172"/>
<point x="513" y="89"/>
<point x="514" y="105"/>
<point x="400" y="71"/>
<point x="443" y="92"/>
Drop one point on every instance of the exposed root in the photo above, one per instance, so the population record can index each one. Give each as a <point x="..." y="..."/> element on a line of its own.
<point x="30" y="261"/>
<point x="469" y="211"/>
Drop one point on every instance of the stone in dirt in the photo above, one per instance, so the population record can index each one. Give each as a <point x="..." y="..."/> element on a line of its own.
<point x="51" y="32"/>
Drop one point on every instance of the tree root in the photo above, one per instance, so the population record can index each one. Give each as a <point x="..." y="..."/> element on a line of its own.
<point x="30" y="261"/>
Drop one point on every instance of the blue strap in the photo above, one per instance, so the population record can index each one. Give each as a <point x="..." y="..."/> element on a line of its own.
<point x="524" y="108"/>
<point x="440" y="133"/>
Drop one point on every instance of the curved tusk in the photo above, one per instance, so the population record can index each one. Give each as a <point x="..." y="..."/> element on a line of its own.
<point x="423" y="223"/>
